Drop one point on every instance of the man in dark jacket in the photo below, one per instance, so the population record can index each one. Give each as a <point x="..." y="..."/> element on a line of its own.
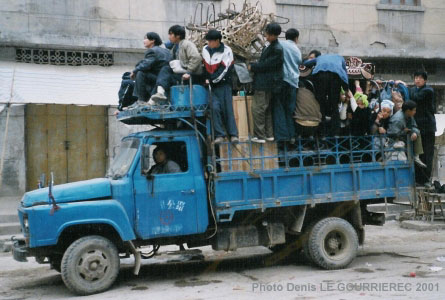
<point x="268" y="83"/>
<point x="423" y="95"/>
<point x="147" y="70"/>
<point x="330" y="76"/>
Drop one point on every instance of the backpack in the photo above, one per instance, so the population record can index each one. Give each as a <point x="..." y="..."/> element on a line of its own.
<point x="125" y="93"/>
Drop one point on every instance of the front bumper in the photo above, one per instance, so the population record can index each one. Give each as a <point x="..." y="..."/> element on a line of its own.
<point x="19" y="250"/>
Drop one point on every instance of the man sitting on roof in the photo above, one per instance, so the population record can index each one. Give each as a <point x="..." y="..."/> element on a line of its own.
<point x="186" y="63"/>
<point x="147" y="70"/>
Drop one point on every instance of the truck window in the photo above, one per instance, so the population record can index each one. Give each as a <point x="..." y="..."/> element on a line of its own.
<point x="168" y="157"/>
<point x="123" y="160"/>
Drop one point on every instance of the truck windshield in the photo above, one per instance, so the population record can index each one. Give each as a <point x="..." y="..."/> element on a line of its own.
<point x="123" y="160"/>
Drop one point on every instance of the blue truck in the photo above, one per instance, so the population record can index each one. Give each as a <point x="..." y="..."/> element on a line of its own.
<point x="305" y="199"/>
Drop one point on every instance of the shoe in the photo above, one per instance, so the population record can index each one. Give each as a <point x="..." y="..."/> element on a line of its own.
<point x="219" y="140"/>
<point x="270" y="139"/>
<point x="234" y="140"/>
<point x="137" y="104"/>
<point x="258" y="140"/>
<point x="437" y="186"/>
<point x="418" y="162"/>
<point x="399" y="145"/>
<point x="151" y="102"/>
<point x="158" y="97"/>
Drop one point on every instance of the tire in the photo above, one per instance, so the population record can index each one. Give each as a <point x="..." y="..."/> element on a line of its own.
<point x="306" y="236"/>
<point x="90" y="265"/>
<point x="332" y="243"/>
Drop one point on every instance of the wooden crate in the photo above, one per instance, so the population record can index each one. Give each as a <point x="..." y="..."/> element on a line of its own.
<point x="239" y="110"/>
<point x="242" y="151"/>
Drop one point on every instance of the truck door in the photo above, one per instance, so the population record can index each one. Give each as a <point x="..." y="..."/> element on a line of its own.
<point x="166" y="199"/>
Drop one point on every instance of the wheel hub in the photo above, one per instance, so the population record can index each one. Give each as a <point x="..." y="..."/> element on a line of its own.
<point x="333" y="243"/>
<point x="93" y="265"/>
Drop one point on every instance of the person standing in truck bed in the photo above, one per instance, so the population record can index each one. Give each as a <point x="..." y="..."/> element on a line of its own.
<point x="268" y="84"/>
<point x="218" y="62"/>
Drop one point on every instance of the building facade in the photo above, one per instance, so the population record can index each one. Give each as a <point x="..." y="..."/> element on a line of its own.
<point x="103" y="36"/>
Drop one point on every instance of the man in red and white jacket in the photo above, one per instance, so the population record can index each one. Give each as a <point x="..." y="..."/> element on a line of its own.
<point x="218" y="62"/>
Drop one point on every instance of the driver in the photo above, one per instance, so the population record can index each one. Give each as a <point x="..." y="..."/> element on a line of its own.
<point x="163" y="164"/>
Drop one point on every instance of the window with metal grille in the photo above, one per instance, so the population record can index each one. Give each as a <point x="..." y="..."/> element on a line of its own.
<point x="63" y="57"/>
<point x="401" y="2"/>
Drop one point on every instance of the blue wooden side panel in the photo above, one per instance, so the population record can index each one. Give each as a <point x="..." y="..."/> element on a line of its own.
<point x="236" y="191"/>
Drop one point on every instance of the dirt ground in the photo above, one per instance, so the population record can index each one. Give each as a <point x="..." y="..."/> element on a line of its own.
<point x="394" y="263"/>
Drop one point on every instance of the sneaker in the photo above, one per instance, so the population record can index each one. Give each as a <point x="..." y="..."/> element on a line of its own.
<point x="418" y="162"/>
<point x="270" y="139"/>
<point x="219" y="140"/>
<point x="258" y="140"/>
<point x="234" y="140"/>
<point x="151" y="102"/>
<point x="399" y="145"/>
<point x="158" y="97"/>
<point x="137" y="104"/>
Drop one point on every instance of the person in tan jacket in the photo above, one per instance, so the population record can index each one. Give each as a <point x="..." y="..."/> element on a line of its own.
<point x="186" y="64"/>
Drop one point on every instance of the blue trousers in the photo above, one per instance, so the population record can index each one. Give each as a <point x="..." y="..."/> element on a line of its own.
<point x="283" y="108"/>
<point x="222" y="111"/>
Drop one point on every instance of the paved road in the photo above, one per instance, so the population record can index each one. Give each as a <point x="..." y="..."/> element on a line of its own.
<point x="381" y="271"/>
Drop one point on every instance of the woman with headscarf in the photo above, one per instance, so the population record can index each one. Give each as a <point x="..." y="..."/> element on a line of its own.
<point x="380" y="119"/>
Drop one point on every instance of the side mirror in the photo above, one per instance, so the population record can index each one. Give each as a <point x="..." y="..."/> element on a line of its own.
<point x="145" y="159"/>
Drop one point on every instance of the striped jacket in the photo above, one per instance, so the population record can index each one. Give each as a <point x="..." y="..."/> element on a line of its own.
<point x="218" y="64"/>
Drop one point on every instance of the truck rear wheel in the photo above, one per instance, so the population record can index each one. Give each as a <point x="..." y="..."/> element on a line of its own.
<point x="90" y="265"/>
<point x="332" y="243"/>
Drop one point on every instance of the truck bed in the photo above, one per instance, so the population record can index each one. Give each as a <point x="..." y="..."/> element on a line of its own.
<point x="371" y="173"/>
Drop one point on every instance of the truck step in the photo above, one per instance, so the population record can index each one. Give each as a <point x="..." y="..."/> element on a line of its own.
<point x="10" y="218"/>
<point x="10" y="228"/>
<point x="392" y="208"/>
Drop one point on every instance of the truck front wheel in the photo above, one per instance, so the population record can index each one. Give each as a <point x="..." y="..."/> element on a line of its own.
<point x="90" y="265"/>
<point x="332" y="243"/>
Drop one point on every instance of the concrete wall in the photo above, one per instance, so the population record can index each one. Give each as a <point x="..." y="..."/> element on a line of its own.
<point x="360" y="27"/>
<point x="13" y="179"/>
<point x="368" y="28"/>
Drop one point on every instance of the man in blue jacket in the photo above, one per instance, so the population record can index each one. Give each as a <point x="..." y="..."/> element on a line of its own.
<point x="268" y="83"/>
<point x="147" y="70"/>
<point x="284" y="129"/>
<point x="423" y="95"/>
<point x="330" y="76"/>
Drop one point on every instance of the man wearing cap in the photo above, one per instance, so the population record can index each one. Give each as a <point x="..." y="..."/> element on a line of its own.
<point x="218" y="62"/>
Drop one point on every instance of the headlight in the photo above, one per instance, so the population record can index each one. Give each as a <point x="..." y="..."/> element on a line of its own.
<point x="26" y="223"/>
